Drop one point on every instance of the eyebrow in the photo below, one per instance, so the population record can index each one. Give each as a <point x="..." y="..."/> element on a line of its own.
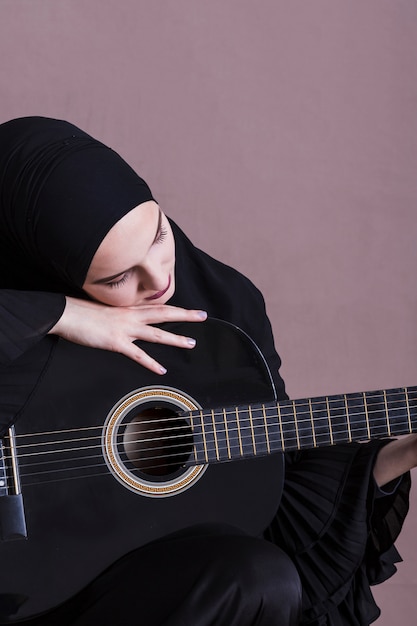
<point x="107" y="279"/>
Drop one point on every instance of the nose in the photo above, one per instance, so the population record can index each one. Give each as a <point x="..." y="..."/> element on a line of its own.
<point x="155" y="277"/>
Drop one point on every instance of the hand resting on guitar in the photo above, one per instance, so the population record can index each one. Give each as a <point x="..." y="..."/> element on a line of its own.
<point x="114" y="328"/>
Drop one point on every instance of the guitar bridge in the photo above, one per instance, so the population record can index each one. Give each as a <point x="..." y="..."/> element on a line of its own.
<point x="12" y="514"/>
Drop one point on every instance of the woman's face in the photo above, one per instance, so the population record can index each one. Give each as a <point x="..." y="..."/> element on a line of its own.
<point x="134" y="264"/>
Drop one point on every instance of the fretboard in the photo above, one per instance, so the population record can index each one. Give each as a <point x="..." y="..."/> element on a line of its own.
<point x="224" y="434"/>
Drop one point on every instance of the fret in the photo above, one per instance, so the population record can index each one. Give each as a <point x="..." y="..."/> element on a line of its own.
<point x="356" y="415"/>
<point x="273" y="440"/>
<point x="312" y="423"/>
<point x="411" y="395"/>
<point x="216" y="445"/>
<point x="322" y="425"/>
<point x="228" y="434"/>
<point x="289" y="431"/>
<point x="252" y="431"/>
<point x="399" y="412"/>
<point x="348" y="419"/>
<point x="280" y="428"/>
<point x="223" y="438"/>
<point x="296" y="425"/>
<point x="209" y="434"/>
<point x="200" y="446"/>
<point x="329" y="420"/>
<point x="3" y="470"/>
<point x="229" y="455"/>
<point x="204" y="437"/>
<point x="365" y="404"/>
<point x="262" y="432"/>
<point x="268" y="446"/>
<point x="337" y="413"/>
<point x="238" y="432"/>
<point x="296" y="433"/>
<point x="194" y="438"/>
<point x="408" y="409"/>
<point x="386" y="413"/>
<point x="377" y="414"/>
<point x="303" y="424"/>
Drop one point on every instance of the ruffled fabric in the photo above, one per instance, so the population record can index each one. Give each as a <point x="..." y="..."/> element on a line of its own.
<point x="339" y="530"/>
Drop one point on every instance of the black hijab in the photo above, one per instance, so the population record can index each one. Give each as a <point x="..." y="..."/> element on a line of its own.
<point x="60" y="193"/>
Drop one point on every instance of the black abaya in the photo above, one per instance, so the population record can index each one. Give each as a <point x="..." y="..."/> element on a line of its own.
<point x="337" y="533"/>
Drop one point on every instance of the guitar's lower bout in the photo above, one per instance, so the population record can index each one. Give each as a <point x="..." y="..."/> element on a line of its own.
<point x="146" y="443"/>
<point x="86" y="479"/>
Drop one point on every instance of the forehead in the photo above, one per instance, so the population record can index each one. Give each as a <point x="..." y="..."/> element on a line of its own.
<point x="127" y="242"/>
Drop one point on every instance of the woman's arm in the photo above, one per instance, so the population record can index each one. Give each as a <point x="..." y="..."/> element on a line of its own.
<point x="25" y="318"/>
<point x="396" y="458"/>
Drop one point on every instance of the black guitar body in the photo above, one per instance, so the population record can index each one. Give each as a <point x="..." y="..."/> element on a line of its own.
<point x="81" y="516"/>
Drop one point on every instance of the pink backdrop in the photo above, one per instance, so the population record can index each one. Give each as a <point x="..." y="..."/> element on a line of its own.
<point x="282" y="135"/>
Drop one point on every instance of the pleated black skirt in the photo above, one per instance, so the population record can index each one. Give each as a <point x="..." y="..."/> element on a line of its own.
<point x="339" y="530"/>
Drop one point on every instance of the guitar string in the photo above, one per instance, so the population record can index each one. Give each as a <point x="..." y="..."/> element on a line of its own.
<point x="255" y="410"/>
<point x="173" y="463"/>
<point x="158" y="458"/>
<point x="284" y="405"/>
<point x="244" y="423"/>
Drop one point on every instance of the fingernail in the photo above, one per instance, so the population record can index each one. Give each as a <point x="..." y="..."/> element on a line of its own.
<point x="191" y="342"/>
<point x="202" y="315"/>
<point x="162" y="369"/>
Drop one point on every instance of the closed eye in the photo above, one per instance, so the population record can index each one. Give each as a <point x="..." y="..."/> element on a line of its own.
<point x="163" y="232"/>
<point x="120" y="281"/>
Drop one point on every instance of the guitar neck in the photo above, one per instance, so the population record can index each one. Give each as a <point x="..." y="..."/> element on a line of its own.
<point x="231" y="433"/>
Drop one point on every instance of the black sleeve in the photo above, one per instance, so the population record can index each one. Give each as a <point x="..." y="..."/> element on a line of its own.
<point x="25" y="318"/>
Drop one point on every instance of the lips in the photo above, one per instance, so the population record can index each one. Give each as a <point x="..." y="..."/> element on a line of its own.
<point x="159" y="294"/>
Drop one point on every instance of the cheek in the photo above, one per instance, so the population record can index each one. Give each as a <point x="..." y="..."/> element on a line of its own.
<point x="168" y="253"/>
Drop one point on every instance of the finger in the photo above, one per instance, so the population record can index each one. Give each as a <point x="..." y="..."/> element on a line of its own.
<point x="142" y="358"/>
<point x="158" y="335"/>
<point x="167" y="313"/>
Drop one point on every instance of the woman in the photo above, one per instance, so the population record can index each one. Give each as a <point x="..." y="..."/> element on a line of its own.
<point x="87" y="254"/>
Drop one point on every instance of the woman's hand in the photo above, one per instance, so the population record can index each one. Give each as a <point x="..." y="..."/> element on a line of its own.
<point x="394" y="459"/>
<point x="116" y="328"/>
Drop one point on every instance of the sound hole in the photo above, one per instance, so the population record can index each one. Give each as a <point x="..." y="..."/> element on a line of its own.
<point x="157" y="442"/>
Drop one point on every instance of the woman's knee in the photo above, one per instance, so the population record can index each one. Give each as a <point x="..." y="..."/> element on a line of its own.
<point x="265" y="583"/>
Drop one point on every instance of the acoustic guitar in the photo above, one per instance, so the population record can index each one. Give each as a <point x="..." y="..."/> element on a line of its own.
<point x="107" y="456"/>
